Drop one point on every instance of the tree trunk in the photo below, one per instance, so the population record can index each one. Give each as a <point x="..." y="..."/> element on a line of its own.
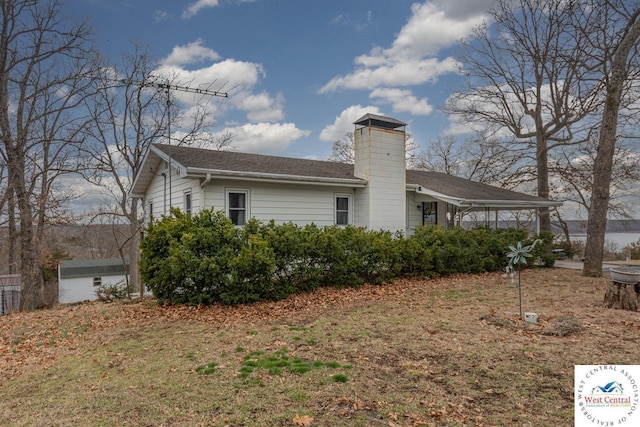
<point x="603" y="165"/>
<point x="13" y="231"/>
<point x="621" y="296"/>
<point x="542" y="166"/>
<point x="32" y="280"/>
<point x="134" y="248"/>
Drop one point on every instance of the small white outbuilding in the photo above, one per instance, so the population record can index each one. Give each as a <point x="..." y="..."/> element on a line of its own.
<point x="78" y="279"/>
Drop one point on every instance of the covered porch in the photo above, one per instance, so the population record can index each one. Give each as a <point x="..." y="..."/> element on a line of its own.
<point x="445" y="200"/>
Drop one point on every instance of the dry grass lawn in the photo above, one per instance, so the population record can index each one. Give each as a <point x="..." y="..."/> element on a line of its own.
<point x="445" y="352"/>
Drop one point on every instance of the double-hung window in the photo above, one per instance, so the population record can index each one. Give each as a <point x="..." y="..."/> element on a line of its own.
<point x="187" y="202"/>
<point x="343" y="209"/>
<point x="237" y="206"/>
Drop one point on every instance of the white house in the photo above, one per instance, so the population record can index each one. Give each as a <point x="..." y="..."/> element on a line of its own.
<point x="78" y="279"/>
<point x="377" y="191"/>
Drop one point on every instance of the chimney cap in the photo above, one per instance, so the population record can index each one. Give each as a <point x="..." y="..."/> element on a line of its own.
<point x="379" y="121"/>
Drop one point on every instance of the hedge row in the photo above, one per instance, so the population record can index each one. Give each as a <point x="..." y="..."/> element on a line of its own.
<point x="204" y="258"/>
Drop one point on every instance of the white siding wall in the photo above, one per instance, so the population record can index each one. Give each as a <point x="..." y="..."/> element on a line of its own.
<point x="380" y="158"/>
<point x="160" y="189"/>
<point x="180" y="186"/>
<point x="414" y="215"/>
<point x="155" y="194"/>
<point x="361" y="204"/>
<point x="281" y="202"/>
<point x="81" y="288"/>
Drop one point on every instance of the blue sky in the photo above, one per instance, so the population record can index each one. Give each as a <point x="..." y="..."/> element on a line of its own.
<point x="299" y="72"/>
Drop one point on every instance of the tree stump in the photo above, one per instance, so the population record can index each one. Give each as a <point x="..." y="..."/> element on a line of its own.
<point x="623" y="296"/>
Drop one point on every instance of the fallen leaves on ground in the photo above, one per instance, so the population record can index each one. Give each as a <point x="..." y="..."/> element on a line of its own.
<point x="303" y="420"/>
<point x="454" y="315"/>
<point x="32" y="340"/>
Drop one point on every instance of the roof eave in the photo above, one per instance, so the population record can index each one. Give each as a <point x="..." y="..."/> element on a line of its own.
<point x="491" y="204"/>
<point x="276" y="178"/>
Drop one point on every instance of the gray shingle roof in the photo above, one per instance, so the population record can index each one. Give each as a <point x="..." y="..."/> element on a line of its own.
<point x="93" y="267"/>
<point x="227" y="161"/>
<point x="462" y="188"/>
<point x="198" y="158"/>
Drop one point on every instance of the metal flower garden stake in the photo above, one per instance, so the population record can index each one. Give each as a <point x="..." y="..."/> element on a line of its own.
<point x="517" y="258"/>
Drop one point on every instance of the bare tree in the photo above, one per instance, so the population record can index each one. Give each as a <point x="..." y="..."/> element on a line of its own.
<point x="523" y="80"/>
<point x="443" y="155"/>
<point x="615" y="81"/>
<point x="479" y="158"/>
<point x="130" y="110"/>
<point x="342" y="150"/>
<point x="42" y="80"/>
<point x="574" y="179"/>
<point x="209" y="141"/>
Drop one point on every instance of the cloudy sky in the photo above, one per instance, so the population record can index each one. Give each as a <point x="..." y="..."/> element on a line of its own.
<point x="299" y="72"/>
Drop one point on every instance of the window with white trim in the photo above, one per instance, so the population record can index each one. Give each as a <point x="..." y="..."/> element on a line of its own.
<point x="343" y="209"/>
<point x="429" y="213"/>
<point x="187" y="202"/>
<point x="238" y="206"/>
<point x="97" y="281"/>
<point x="150" y="210"/>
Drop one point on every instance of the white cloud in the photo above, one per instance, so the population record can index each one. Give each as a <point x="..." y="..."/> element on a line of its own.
<point x="430" y="29"/>
<point x="343" y="123"/>
<point x="389" y="74"/>
<point x="412" y="59"/>
<point x="358" y="24"/>
<point x="463" y="9"/>
<point x="263" y="137"/>
<point x="237" y="78"/>
<point x="196" y="7"/>
<point x="161" y="16"/>
<point x="190" y="53"/>
<point x="262" y="107"/>
<point x="403" y="101"/>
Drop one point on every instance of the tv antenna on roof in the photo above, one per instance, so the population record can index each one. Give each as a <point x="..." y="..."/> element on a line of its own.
<point x="167" y="88"/>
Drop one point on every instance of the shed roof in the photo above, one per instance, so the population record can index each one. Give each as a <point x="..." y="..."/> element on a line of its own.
<point x="467" y="193"/>
<point x="93" y="267"/>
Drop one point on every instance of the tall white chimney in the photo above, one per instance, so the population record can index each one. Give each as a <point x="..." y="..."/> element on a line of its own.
<point x="380" y="159"/>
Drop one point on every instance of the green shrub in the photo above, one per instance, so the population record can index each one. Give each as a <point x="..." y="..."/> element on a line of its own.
<point x="296" y="255"/>
<point x="188" y="259"/>
<point x="252" y="274"/>
<point x="204" y="258"/>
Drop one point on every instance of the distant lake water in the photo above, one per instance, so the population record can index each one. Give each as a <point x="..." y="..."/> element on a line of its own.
<point x="620" y="239"/>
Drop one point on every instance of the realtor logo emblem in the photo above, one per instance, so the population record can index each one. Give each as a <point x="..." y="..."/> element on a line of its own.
<point x="607" y="395"/>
